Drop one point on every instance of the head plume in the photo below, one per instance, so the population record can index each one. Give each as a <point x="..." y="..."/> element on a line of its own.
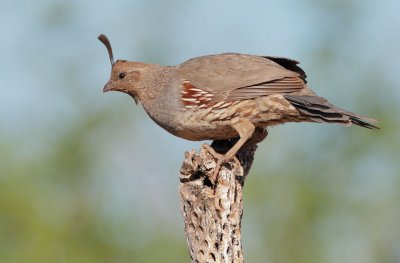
<point x="106" y="42"/>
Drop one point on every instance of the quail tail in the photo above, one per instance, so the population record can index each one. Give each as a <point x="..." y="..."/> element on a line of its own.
<point x="318" y="109"/>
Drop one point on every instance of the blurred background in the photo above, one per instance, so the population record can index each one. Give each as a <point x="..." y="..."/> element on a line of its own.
<point x="78" y="182"/>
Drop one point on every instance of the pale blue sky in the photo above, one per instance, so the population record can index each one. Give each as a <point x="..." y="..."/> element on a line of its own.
<point x="40" y="36"/>
<point x="52" y="60"/>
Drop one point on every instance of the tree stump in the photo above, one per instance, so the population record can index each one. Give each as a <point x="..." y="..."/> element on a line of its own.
<point x="213" y="210"/>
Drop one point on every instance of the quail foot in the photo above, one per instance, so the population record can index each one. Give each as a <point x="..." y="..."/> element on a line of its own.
<point x="224" y="96"/>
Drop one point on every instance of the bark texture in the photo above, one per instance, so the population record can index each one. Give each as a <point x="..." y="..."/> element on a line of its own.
<point x="213" y="210"/>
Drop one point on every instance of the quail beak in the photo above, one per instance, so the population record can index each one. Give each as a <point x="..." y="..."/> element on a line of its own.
<point x="107" y="87"/>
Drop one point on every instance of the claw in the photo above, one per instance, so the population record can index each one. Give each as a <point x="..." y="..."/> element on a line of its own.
<point x="221" y="159"/>
<point x="212" y="151"/>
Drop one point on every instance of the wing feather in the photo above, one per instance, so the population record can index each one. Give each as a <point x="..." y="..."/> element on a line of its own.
<point x="237" y="76"/>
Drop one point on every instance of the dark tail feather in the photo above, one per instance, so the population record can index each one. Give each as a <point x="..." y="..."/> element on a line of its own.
<point x="318" y="109"/>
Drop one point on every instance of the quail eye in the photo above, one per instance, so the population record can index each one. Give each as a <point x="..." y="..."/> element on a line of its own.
<point x="121" y="75"/>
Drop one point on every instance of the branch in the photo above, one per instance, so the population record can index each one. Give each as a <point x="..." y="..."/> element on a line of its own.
<point x="213" y="211"/>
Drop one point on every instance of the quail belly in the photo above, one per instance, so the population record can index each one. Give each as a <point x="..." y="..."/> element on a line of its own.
<point x="215" y="123"/>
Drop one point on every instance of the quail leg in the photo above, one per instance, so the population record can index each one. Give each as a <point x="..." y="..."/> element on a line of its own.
<point x="258" y="136"/>
<point x="245" y="129"/>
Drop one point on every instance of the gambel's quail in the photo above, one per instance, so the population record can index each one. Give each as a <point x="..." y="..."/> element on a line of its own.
<point x="225" y="96"/>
